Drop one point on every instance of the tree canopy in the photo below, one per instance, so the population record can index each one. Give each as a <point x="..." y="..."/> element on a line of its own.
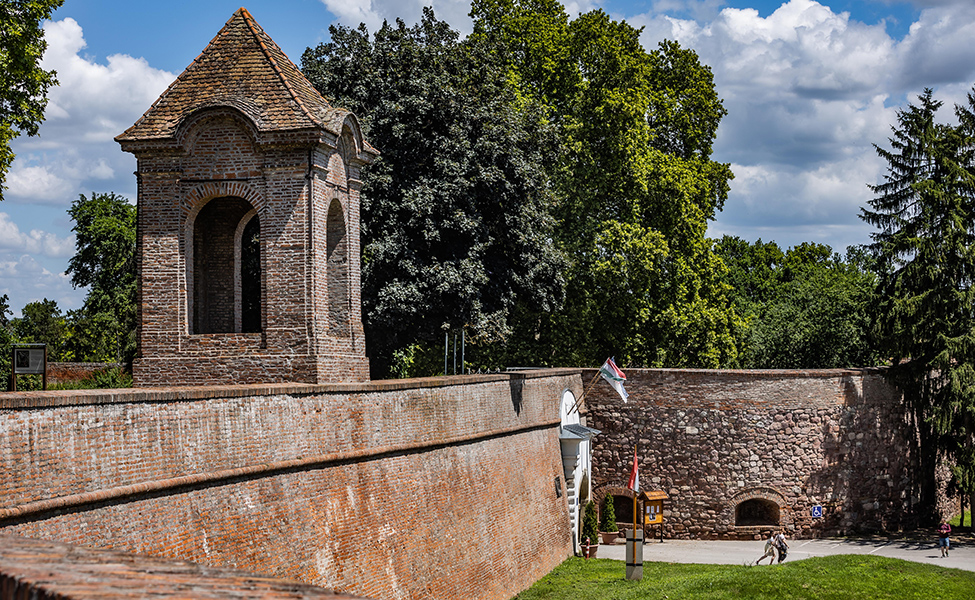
<point x="104" y="261"/>
<point x="23" y="83"/>
<point x="806" y="308"/>
<point x="456" y="223"/>
<point x="636" y="189"/>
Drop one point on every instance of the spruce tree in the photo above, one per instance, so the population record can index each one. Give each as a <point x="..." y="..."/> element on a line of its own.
<point x="925" y="249"/>
<point x="607" y="521"/>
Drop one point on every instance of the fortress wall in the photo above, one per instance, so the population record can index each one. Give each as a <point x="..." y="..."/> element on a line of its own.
<point x="436" y="488"/>
<point x="714" y="439"/>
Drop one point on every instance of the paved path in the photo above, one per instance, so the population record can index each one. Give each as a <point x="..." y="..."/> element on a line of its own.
<point x="739" y="553"/>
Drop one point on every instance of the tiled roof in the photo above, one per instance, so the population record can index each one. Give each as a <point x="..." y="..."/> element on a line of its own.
<point x="241" y="67"/>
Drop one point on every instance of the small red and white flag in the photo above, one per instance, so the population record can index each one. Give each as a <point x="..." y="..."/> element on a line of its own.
<point x="634" y="483"/>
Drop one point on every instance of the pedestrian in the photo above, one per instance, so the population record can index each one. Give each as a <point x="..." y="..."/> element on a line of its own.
<point x="781" y="545"/>
<point x="769" y="549"/>
<point x="943" y="531"/>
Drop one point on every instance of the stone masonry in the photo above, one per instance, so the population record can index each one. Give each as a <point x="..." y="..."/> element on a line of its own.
<point x="739" y="452"/>
<point x="242" y="143"/>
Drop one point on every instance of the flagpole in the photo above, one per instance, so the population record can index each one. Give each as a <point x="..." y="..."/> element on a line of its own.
<point x="637" y="484"/>
<point x="585" y="392"/>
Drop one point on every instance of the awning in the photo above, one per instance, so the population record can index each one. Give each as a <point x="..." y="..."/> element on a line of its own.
<point x="575" y="431"/>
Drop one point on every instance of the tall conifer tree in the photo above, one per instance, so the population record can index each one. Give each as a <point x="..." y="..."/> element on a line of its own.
<point x="924" y="211"/>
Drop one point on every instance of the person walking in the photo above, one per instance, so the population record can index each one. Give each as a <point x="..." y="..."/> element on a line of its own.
<point x="781" y="545"/>
<point x="769" y="549"/>
<point x="943" y="542"/>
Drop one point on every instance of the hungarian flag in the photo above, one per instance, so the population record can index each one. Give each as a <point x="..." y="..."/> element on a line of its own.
<point x="614" y="376"/>
<point x="634" y="483"/>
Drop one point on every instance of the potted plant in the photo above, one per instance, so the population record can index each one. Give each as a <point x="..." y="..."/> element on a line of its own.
<point x="590" y="535"/>
<point x="608" y="530"/>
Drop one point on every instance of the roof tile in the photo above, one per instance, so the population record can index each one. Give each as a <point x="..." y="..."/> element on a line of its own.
<point x="241" y="67"/>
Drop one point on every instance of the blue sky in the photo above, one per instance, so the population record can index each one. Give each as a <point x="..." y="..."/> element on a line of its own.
<point x="809" y="87"/>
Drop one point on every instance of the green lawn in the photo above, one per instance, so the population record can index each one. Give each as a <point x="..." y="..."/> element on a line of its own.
<point x="834" y="577"/>
<point x="956" y="520"/>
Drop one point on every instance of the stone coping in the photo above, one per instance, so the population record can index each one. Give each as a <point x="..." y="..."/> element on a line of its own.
<point x="60" y="398"/>
<point x="756" y="373"/>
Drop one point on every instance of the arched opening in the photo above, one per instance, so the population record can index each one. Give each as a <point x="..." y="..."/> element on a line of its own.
<point x="337" y="268"/>
<point x="756" y="511"/>
<point x="623" y="507"/>
<point x="219" y="276"/>
<point x="250" y="277"/>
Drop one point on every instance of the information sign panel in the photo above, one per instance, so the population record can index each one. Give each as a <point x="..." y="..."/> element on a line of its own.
<point x="29" y="361"/>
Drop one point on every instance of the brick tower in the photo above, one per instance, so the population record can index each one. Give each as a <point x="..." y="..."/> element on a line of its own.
<point x="248" y="226"/>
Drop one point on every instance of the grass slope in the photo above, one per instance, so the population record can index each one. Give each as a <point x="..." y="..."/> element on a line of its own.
<point x="835" y="577"/>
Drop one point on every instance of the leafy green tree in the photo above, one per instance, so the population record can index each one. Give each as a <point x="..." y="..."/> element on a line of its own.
<point x="104" y="261"/>
<point x="925" y="248"/>
<point x="805" y="308"/>
<point x="456" y="224"/>
<point x="43" y="323"/>
<point x="637" y="188"/>
<point x="23" y="84"/>
<point x="7" y="339"/>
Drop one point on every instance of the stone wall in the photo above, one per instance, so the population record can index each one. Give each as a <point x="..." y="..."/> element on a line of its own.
<point x="397" y="489"/>
<point x="781" y="442"/>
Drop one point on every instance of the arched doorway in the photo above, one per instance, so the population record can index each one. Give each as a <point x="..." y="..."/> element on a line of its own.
<point x="226" y="268"/>
<point x="756" y="512"/>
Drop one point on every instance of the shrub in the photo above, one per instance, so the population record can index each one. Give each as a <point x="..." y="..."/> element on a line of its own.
<point x="589" y="524"/>
<point x="607" y="521"/>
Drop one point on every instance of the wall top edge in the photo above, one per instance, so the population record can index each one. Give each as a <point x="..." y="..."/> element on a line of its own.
<point x="61" y="398"/>
<point x="779" y="373"/>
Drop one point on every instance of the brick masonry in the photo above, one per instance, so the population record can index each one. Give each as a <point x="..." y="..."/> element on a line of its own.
<point x="713" y="440"/>
<point x="439" y="488"/>
<point x="242" y="135"/>
<point x="43" y="570"/>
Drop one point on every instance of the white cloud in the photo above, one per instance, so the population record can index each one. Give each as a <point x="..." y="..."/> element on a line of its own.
<point x="38" y="183"/>
<point x="808" y="92"/>
<point x="24" y="280"/>
<point x="75" y="151"/>
<point x="455" y="12"/>
<point x="373" y="12"/>
<point x="34" y="242"/>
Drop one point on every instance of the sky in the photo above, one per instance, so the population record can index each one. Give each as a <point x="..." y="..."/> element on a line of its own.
<point x="810" y="86"/>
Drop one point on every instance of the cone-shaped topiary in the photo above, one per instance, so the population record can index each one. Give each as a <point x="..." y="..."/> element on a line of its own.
<point x="589" y="522"/>
<point x="607" y="521"/>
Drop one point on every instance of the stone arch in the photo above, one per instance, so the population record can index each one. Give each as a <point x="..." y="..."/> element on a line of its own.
<point x="246" y="117"/>
<point x="758" y="507"/>
<point x="337" y="271"/>
<point x="622" y="502"/>
<point x="215" y="233"/>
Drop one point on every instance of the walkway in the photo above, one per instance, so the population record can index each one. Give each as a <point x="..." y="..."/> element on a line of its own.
<point x="740" y="553"/>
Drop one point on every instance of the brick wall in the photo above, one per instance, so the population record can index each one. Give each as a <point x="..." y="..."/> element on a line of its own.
<point x="440" y="488"/>
<point x="58" y="372"/>
<point x="713" y="440"/>
<point x="42" y="570"/>
<point x="195" y="193"/>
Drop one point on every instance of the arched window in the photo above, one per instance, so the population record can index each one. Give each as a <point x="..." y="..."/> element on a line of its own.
<point x="337" y="248"/>
<point x="222" y="243"/>
<point x="250" y="276"/>
<point x="756" y="511"/>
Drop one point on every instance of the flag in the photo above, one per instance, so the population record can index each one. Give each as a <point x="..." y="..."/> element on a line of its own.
<point x="634" y="483"/>
<point x="614" y="376"/>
